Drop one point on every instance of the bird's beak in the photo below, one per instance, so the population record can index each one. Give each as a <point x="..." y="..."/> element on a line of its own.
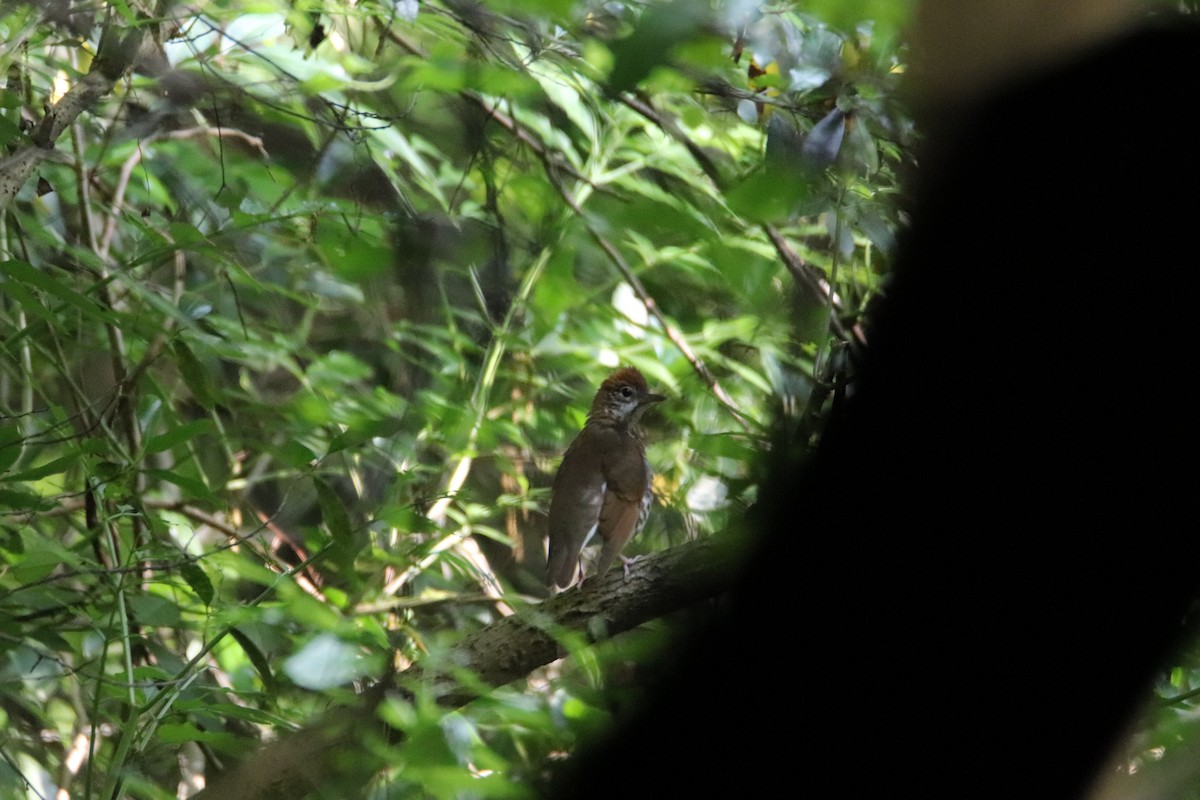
<point x="650" y="397"/>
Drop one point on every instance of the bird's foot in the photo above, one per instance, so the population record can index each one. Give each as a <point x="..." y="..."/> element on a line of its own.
<point x="627" y="562"/>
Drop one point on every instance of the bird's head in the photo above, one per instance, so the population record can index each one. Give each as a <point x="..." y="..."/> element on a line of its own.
<point x="623" y="397"/>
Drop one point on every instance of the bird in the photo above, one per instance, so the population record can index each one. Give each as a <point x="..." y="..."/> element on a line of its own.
<point x="603" y="483"/>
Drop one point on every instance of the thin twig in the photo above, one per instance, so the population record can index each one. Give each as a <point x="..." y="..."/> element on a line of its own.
<point x="800" y="269"/>
<point x="668" y="126"/>
<point x="804" y="274"/>
<point x="672" y="333"/>
<point x="117" y="51"/>
<point x="555" y="163"/>
<point x="394" y="604"/>
<point x="137" y="155"/>
<point x="547" y="155"/>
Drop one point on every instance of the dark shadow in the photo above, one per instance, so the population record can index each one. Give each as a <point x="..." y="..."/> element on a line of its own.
<point x="970" y="590"/>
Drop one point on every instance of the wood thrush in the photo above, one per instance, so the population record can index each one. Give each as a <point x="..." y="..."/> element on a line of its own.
<point x="603" y="484"/>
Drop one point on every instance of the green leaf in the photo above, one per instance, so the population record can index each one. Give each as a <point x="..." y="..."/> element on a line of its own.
<point x="727" y="445"/>
<point x="333" y="512"/>
<point x="347" y="543"/>
<point x="326" y="662"/>
<point x="295" y="454"/>
<point x="177" y="732"/>
<point x="176" y="435"/>
<point x="153" y="610"/>
<point x="40" y="559"/>
<point x="193" y="372"/>
<point x="261" y="665"/>
<point x="25" y="501"/>
<point x="29" y="303"/>
<point x="232" y="711"/>
<point x="770" y="195"/>
<point x="50" y="468"/>
<point x="860" y="149"/>
<point x="196" y="490"/>
<point x="11" y="441"/>
<point x="197" y="580"/>
<point x="824" y="141"/>
<point x="660" y="28"/>
<point x="365" y="430"/>
<point x="19" y="270"/>
<point x="320" y="82"/>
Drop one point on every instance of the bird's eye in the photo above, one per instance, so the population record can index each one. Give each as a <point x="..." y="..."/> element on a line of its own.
<point x="627" y="392"/>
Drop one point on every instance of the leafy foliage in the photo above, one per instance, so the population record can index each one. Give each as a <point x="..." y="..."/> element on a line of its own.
<point x="298" y="317"/>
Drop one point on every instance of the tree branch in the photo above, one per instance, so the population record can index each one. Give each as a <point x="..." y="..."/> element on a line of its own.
<point x="117" y="55"/>
<point x="816" y="283"/>
<point x="335" y="750"/>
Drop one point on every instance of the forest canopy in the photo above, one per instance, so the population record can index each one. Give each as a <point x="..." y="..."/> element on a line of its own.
<point x="300" y="304"/>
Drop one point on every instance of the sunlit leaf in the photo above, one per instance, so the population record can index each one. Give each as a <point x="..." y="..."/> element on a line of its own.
<point x="324" y="663"/>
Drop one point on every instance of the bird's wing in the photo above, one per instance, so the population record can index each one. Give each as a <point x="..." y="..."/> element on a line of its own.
<point x="575" y="504"/>
<point x="628" y="484"/>
<point x="618" y="524"/>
